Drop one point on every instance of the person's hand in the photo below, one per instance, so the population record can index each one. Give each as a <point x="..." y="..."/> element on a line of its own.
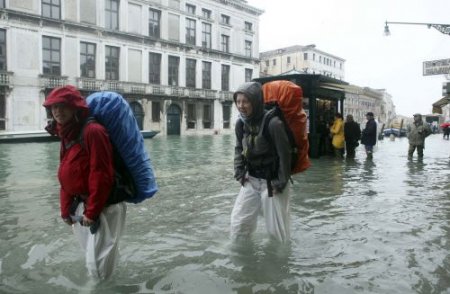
<point x="242" y="180"/>
<point x="87" y="221"/>
<point x="68" y="221"/>
<point x="276" y="191"/>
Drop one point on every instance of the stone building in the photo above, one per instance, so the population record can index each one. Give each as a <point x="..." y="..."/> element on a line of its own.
<point x="388" y="113"/>
<point x="360" y="100"/>
<point x="302" y="59"/>
<point x="176" y="62"/>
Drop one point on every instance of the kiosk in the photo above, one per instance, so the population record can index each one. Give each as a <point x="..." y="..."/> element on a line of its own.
<point x="323" y="97"/>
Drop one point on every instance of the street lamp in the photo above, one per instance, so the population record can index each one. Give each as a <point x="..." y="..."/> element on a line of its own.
<point x="443" y="28"/>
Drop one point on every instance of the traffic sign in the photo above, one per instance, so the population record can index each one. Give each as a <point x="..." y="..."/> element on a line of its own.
<point x="436" y="67"/>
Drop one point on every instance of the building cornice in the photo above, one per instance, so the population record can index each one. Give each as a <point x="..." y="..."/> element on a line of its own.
<point x="297" y="49"/>
<point x="242" y="6"/>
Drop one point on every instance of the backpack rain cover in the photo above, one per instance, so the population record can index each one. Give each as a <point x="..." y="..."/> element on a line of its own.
<point x="289" y="98"/>
<point x="114" y="113"/>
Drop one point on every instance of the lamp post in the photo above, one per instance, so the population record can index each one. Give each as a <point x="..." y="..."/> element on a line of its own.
<point x="443" y="28"/>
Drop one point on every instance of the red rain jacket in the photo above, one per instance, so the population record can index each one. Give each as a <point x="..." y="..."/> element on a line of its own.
<point x="87" y="171"/>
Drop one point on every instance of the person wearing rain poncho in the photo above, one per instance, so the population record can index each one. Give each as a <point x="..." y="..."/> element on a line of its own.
<point x="262" y="167"/>
<point x="86" y="176"/>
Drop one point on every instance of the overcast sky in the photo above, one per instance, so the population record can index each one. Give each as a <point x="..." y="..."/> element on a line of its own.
<point x="353" y="30"/>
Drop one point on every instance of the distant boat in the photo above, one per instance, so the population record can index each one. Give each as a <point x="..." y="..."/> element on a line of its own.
<point x="149" y="134"/>
<point x="43" y="136"/>
<point x="395" y="131"/>
<point x="27" y="137"/>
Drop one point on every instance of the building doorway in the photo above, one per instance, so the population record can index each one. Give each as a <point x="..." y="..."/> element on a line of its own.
<point x="138" y="114"/>
<point x="173" y="120"/>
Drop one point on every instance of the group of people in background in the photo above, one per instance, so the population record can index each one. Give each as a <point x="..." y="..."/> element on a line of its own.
<point x="346" y="135"/>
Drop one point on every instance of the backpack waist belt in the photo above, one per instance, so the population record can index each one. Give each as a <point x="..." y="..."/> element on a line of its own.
<point x="258" y="173"/>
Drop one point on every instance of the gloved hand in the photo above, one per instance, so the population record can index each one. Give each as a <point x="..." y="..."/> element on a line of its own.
<point x="240" y="176"/>
<point x="277" y="187"/>
<point x="51" y="128"/>
<point x="87" y="222"/>
<point x="68" y="221"/>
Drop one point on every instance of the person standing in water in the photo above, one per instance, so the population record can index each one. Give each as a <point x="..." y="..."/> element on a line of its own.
<point x="369" y="135"/>
<point x="86" y="176"/>
<point x="261" y="167"/>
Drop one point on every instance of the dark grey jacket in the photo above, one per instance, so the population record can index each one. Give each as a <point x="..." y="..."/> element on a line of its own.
<point x="369" y="134"/>
<point x="417" y="132"/>
<point x="252" y="147"/>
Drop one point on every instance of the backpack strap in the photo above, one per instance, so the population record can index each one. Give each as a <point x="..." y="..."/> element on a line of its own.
<point x="263" y="130"/>
<point x="275" y="110"/>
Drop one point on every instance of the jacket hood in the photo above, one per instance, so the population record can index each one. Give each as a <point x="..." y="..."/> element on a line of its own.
<point x="253" y="91"/>
<point x="68" y="95"/>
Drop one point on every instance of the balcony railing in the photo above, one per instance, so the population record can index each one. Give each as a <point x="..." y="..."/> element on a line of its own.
<point x="176" y="91"/>
<point x="226" y="96"/>
<point x="90" y="84"/>
<point x="158" y="90"/>
<point x="6" y="78"/>
<point x="51" y="82"/>
<point x="194" y="93"/>
<point x="149" y="89"/>
<point x="211" y="94"/>
<point x="116" y="86"/>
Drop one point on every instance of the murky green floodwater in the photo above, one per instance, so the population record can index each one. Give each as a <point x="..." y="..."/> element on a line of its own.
<point x="359" y="226"/>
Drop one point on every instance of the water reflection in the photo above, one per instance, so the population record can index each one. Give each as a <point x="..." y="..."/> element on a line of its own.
<point x="5" y="171"/>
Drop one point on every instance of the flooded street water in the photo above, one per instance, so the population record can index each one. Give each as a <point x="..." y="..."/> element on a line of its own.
<point x="358" y="226"/>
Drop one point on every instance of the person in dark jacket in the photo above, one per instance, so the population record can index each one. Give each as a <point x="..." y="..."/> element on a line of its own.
<point x="446" y="131"/>
<point x="369" y="134"/>
<point x="352" y="133"/>
<point x="323" y="132"/>
<point x="86" y="176"/>
<point x="261" y="166"/>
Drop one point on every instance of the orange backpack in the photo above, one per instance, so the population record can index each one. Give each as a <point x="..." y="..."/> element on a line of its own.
<point x="288" y="97"/>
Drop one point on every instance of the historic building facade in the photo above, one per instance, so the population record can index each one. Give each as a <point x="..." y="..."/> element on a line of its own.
<point x="360" y="100"/>
<point x="388" y="112"/>
<point x="302" y="59"/>
<point x="176" y="62"/>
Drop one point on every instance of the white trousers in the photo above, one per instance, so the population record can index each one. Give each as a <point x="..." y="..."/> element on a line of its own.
<point x="102" y="248"/>
<point x="253" y="200"/>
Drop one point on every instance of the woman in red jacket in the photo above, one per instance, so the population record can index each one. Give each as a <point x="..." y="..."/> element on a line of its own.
<point x="86" y="175"/>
